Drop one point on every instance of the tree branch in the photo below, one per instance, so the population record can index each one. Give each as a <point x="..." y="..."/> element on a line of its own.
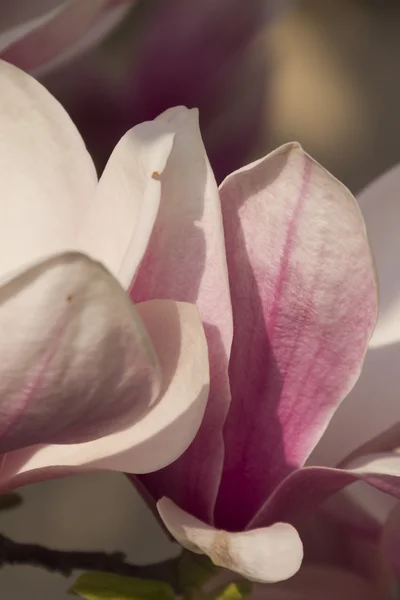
<point x="66" y="561"/>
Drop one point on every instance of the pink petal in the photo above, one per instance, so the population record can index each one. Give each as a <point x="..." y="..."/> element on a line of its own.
<point x="72" y="30"/>
<point x="185" y="260"/>
<point x="166" y="429"/>
<point x="47" y="178"/>
<point x="360" y="510"/>
<point x="77" y="363"/>
<point x="376" y="394"/>
<point x="304" y="305"/>
<point x="306" y="488"/>
<point x="267" y="555"/>
<point x="363" y="508"/>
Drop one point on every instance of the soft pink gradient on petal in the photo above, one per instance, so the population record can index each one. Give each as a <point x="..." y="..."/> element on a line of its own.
<point x="267" y="555"/>
<point x="304" y="306"/>
<point x="77" y="26"/>
<point x="47" y="178"/>
<point x="303" y="490"/>
<point x="77" y="363"/>
<point x="161" y="434"/>
<point x="185" y="260"/>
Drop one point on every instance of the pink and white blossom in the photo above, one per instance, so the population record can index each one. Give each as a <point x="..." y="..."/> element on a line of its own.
<point x="88" y="380"/>
<point x="277" y="262"/>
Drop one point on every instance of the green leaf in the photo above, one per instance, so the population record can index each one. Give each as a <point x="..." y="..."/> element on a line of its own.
<point x="234" y="591"/>
<point x="195" y="570"/>
<point x="106" y="586"/>
<point x="10" y="500"/>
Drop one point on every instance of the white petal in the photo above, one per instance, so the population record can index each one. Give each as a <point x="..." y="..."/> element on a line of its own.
<point x="119" y="223"/>
<point x="163" y="433"/>
<point x="380" y="205"/>
<point x="266" y="555"/>
<point x="47" y="178"/>
<point x="186" y="260"/>
<point x="77" y="363"/>
<point x="373" y="405"/>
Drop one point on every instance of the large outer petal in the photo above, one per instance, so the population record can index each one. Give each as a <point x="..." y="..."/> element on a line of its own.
<point x="304" y="306"/>
<point x="304" y="489"/>
<point x="266" y="555"/>
<point x="162" y="434"/>
<point x="373" y="406"/>
<point x="47" y="178"/>
<point x="76" y="361"/>
<point x="185" y="260"/>
<point x="64" y="33"/>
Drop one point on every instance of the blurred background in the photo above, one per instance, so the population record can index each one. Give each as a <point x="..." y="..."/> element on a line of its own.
<point x="323" y="72"/>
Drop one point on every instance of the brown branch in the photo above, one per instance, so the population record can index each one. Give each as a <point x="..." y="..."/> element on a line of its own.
<point x="66" y="561"/>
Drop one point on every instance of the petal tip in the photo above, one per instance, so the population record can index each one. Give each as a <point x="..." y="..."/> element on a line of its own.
<point x="266" y="555"/>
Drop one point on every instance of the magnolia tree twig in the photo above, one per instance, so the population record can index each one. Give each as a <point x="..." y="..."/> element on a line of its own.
<point x="65" y="562"/>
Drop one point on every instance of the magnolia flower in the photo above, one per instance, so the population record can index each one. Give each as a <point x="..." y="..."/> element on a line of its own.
<point x="39" y="34"/>
<point x="87" y="379"/>
<point x="278" y="264"/>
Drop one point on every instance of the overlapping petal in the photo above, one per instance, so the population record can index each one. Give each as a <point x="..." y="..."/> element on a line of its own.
<point x="138" y="445"/>
<point x="306" y="488"/>
<point x="304" y="306"/>
<point x="185" y="260"/>
<point x="87" y="380"/>
<point x="77" y="362"/>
